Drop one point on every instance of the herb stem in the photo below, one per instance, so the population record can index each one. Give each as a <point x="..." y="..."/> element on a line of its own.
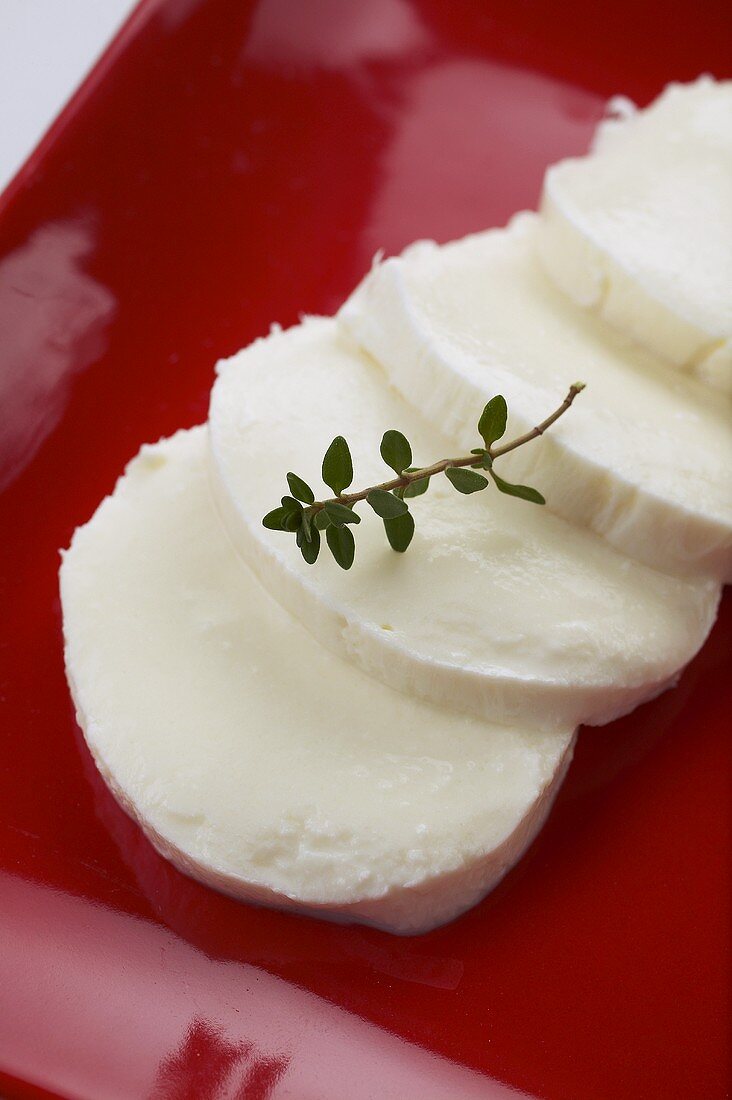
<point x="407" y="478"/>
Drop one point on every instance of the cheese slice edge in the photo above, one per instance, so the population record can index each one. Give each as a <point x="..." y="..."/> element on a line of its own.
<point x="640" y="229"/>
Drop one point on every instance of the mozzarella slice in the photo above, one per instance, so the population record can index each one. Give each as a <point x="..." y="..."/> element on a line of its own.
<point x="498" y="608"/>
<point x="643" y="458"/>
<point x="252" y="758"/>
<point x="641" y="230"/>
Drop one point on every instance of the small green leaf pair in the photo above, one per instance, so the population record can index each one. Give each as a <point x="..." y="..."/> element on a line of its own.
<point x="398" y="521"/>
<point x="331" y="516"/>
<point x="292" y="517"/>
<point x="492" y="427"/>
<point x="288" y="517"/>
<point x="468" y="481"/>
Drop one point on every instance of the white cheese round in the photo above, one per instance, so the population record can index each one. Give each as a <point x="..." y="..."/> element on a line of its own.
<point x="641" y="230"/>
<point x="643" y="458"/>
<point x="498" y="607"/>
<point x="252" y="758"/>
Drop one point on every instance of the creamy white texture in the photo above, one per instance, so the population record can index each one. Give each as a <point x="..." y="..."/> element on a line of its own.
<point x="643" y="458"/>
<point x="254" y="759"/>
<point x="498" y="607"/>
<point x="641" y="229"/>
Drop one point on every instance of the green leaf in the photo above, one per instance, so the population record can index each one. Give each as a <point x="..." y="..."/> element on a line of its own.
<point x="337" y="466"/>
<point x="399" y="531"/>
<point x="321" y="520"/>
<point x="338" y="514"/>
<point x="525" y="492"/>
<point x="483" y="463"/>
<point x="306" y="524"/>
<point x="310" y="548"/>
<point x="300" y="489"/>
<point x="492" y="423"/>
<point x="275" y="519"/>
<point x="416" y="488"/>
<point x="293" y="514"/>
<point x="466" y="481"/>
<point x="386" y="504"/>
<point x="395" y="450"/>
<point x="341" y="545"/>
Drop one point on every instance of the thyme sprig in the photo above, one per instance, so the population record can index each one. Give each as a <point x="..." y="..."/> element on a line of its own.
<point x="301" y="514"/>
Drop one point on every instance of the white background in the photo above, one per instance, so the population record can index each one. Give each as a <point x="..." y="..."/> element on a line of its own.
<point x="46" y="49"/>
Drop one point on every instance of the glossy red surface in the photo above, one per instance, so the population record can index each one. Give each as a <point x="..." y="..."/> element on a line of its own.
<point x="230" y="164"/>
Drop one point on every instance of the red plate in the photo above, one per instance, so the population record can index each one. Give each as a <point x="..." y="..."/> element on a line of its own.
<point x="227" y="165"/>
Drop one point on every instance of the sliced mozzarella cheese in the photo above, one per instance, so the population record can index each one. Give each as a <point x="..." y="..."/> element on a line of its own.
<point x="641" y="230"/>
<point x="644" y="457"/>
<point x="498" y="608"/>
<point x="251" y="757"/>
